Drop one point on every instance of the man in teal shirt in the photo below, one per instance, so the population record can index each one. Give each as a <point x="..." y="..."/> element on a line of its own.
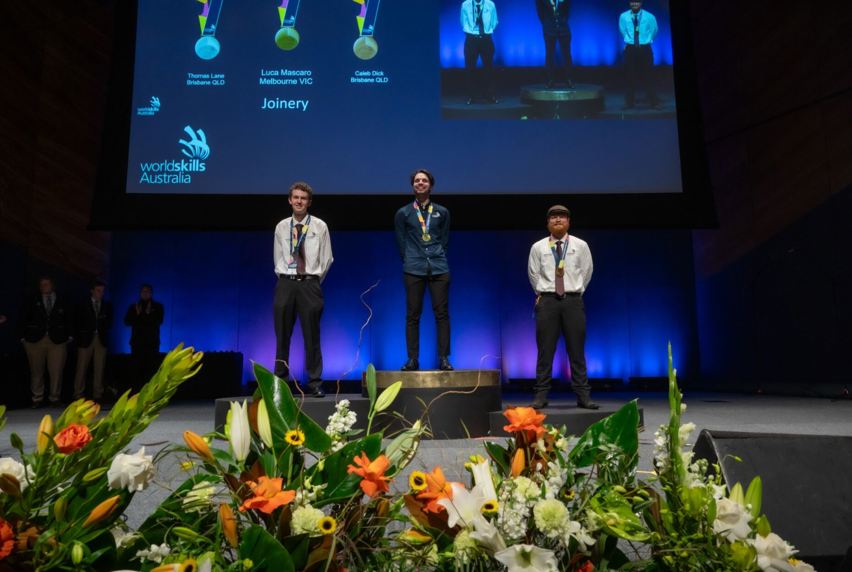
<point x="638" y="30"/>
<point x="423" y="235"/>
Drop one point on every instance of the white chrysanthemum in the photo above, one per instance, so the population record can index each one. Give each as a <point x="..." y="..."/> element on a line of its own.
<point x="526" y="490"/>
<point x="551" y="517"/>
<point x="155" y="553"/>
<point x="306" y="520"/>
<point x="773" y="553"/>
<point x="732" y="520"/>
<point x="11" y="467"/>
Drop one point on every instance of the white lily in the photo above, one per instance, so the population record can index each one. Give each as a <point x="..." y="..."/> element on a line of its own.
<point x="263" y="426"/>
<point x="239" y="434"/>
<point x="732" y="520"/>
<point x="465" y="506"/>
<point x="483" y="480"/>
<point x="526" y="557"/>
<point x="487" y="535"/>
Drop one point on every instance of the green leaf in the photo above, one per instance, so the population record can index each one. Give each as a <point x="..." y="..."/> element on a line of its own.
<point x="402" y="449"/>
<point x="285" y="415"/>
<point x="621" y="429"/>
<point x="617" y="516"/>
<point x="298" y="546"/>
<point x="736" y="494"/>
<point x="387" y="397"/>
<point x="16" y="441"/>
<point x="340" y="484"/>
<point x="761" y="525"/>
<point x="265" y="552"/>
<point x="371" y="384"/>
<point x="500" y="456"/>
<point x="754" y="496"/>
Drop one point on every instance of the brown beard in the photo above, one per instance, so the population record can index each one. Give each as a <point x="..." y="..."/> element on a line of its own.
<point x="550" y="228"/>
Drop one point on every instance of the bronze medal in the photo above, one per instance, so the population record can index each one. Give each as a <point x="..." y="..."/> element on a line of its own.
<point x="427" y="237"/>
<point x="560" y="272"/>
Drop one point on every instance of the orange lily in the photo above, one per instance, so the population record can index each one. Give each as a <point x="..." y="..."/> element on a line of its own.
<point x="518" y="462"/>
<point x="7" y="539"/>
<point x="524" y="419"/>
<point x="229" y="525"/>
<point x="372" y="473"/>
<point x="198" y="445"/>
<point x="103" y="511"/>
<point x="437" y="488"/>
<point x="267" y="495"/>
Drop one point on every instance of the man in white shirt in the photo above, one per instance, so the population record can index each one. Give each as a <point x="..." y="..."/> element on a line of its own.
<point x="302" y="257"/>
<point x="478" y="20"/>
<point x="559" y="269"/>
<point x="638" y="29"/>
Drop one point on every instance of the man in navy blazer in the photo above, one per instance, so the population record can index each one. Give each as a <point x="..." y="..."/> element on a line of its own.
<point x="92" y="322"/>
<point x="423" y="235"/>
<point x="46" y="331"/>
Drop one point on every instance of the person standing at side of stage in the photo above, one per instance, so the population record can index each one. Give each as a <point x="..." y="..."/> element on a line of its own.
<point x="302" y="256"/>
<point x="560" y="269"/>
<point x="423" y="235"/>
<point x="145" y="316"/>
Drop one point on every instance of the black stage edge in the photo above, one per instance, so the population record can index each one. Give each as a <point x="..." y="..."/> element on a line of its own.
<point x="807" y="495"/>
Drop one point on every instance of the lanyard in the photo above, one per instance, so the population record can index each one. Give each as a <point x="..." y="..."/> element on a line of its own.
<point x="424" y="225"/>
<point x="560" y="262"/>
<point x="300" y="238"/>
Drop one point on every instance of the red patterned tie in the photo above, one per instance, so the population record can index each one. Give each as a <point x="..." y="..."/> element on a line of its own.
<point x="300" y="253"/>
<point x="560" y="284"/>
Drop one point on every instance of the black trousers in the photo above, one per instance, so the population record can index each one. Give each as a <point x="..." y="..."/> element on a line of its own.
<point x="480" y="83"/>
<point x="638" y="65"/>
<point x="439" y="291"/>
<point x="144" y="363"/>
<point x="565" y="317"/>
<point x="564" y="41"/>
<point x="303" y="299"/>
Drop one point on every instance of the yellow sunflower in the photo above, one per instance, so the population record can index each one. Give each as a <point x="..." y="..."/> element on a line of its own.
<point x="327" y="525"/>
<point x="490" y="507"/>
<point x="294" y="437"/>
<point x="417" y="481"/>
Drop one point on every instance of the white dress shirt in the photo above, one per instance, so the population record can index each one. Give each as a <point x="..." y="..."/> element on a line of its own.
<point x="647" y="27"/>
<point x="468" y="17"/>
<point x="317" y="243"/>
<point x="541" y="267"/>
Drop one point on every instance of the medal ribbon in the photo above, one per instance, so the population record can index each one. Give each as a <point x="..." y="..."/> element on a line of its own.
<point x="560" y="262"/>
<point x="424" y="225"/>
<point x="298" y="238"/>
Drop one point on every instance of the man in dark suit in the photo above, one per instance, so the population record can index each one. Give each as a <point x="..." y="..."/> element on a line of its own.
<point x="93" y="320"/>
<point x="144" y="318"/>
<point x="46" y="333"/>
<point x="553" y="15"/>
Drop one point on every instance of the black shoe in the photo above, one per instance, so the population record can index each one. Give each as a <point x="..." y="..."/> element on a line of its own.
<point x="550" y="83"/>
<point x="444" y="364"/>
<point x="316" y="390"/>
<point x="587" y="404"/>
<point x="37" y="405"/>
<point x="470" y="101"/>
<point x="540" y="401"/>
<point x="569" y="84"/>
<point x="56" y="403"/>
<point x="411" y="365"/>
<point x="492" y="100"/>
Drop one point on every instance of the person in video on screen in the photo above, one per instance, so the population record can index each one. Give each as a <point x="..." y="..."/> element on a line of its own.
<point x="423" y="235"/>
<point x="559" y="269"/>
<point x="553" y="15"/>
<point x="638" y="30"/>
<point x="302" y="256"/>
<point x="144" y="318"/>
<point x="478" y="21"/>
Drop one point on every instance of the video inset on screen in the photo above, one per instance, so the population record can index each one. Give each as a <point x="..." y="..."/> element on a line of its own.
<point x="555" y="59"/>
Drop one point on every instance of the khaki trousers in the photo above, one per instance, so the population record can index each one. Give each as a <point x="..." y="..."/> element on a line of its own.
<point x="46" y="353"/>
<point x="97" y="351"/>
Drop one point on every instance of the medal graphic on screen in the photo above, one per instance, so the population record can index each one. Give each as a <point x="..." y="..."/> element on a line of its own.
<point x="366" y="47"/>
<point x="287" y="37"/>
<point x="207" y="47"/>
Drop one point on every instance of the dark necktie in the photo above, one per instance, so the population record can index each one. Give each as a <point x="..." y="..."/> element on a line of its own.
<point x="300" y="253"/>
<point x="635" y="29"/>
<point x="48" y="304"/>
<point x="560" y="284"/>
<point x="97" y="304"/>
<point x="480" y="24"/>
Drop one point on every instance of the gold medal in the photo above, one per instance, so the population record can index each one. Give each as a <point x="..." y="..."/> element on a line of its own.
<point x="427" y="237"/>
<point x="560" y="272"/>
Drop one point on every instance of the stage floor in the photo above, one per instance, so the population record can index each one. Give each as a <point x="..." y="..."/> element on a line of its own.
<point x="730" y="412"/>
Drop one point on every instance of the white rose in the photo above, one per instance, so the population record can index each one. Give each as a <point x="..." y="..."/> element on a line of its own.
<point x="11" y="467"/>
<point x="732" y="520"/>
<point x="132" y="472"/>
<point x="773" y="553"/>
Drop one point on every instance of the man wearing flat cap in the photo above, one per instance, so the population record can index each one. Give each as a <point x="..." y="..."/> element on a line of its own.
<point x="559" y="269"/>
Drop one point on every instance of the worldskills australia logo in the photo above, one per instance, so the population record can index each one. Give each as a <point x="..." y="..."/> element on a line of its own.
<point x="151" y="109"/>
<point x="179" y="171"/>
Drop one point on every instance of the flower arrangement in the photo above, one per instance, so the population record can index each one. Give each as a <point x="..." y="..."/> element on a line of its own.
<point x="277" y="491"/>
<point x="59" y="502"/>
